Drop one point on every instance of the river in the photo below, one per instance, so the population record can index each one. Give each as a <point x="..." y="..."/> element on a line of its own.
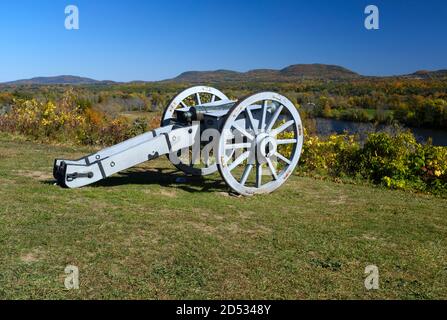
<point x="328" y="126"/>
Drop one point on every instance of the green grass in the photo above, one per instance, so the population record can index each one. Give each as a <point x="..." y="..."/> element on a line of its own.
<point x="142" y="235"/>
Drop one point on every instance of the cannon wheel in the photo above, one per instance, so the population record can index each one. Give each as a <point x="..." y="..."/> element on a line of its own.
<point x="197" y="95"/>
<point x="272" y="133"/>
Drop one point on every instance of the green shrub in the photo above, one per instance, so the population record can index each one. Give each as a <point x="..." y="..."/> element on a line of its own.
<point x="68" y="121"/>
<point x="332" y="155"/>
<point x="396" y="161"/>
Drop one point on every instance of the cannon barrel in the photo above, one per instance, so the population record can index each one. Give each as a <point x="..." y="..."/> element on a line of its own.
<point x="197" y="113"/>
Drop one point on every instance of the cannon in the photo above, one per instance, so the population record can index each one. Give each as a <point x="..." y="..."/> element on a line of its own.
<point x="254" y="143"/>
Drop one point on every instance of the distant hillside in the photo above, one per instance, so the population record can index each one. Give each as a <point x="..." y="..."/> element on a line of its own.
<point x="291" y="73"/>
<point x="425" y="74"/>
<point x="73" y="80"/>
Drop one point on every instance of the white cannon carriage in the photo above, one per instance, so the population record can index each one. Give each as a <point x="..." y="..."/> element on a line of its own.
<point x="254" y="143"/>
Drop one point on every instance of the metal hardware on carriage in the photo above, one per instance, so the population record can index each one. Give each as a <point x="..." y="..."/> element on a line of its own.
<point x="259" y="122"/>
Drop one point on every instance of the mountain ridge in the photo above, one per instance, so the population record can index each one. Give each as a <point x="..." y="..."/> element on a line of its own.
<point x="290" y="73"/>
<point x="426" y="74"/>
<point x="54" y="80"/>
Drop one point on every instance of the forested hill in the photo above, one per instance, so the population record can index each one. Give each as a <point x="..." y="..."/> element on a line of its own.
<point x="424" y="74"/>
<point x="66" y="79"/>
<point x="291" y="73"/>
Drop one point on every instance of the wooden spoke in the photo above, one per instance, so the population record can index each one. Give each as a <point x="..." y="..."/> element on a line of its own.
<point x="286" y="141"/>
<point x="264" y="115"/>
<point x="183" y="105"/>
<point x="237" y="146"/>
<point x="258" y="175"/>
<point x="280" y="156"/>
<point x="229" y="156"/>
<point x="243" y="131"/>
<point x="251" y="120"/>
<point x="246" y="173"/>
<point x="272" y="169"/>
<point x="199" y="102"/>
<point x="274" y="118"/>
<point x="213" y="98"/>
<point x="239" y="160"/>
<point x="282" y="127"/>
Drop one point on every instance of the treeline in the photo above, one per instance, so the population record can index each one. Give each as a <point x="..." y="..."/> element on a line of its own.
<point x="411" y="102"/>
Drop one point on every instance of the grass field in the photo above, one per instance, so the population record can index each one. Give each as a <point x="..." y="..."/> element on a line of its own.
<point x="142" y="235"/>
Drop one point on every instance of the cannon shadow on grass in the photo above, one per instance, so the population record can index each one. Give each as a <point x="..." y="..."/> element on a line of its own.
<point x="162" y="177"/>
<point x="165" y="178"/>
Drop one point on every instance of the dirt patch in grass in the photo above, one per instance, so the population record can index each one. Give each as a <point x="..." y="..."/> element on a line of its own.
<point x="202" y="227"/>
<point x="31" y="257"/>
<point x="338" y="201"/>
<point x="7" y="153"/>
<point x="36" y="175"/>
<point x="229" y="194"/>
<point x="170" y="193"/>
<point x="163" y="192"/>
<point x="5" y="181"/>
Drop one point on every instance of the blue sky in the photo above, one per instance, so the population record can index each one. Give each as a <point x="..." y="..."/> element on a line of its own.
<point x="154" y="40"/>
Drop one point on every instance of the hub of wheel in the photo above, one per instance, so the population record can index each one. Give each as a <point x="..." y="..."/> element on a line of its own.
<point x="266" y="147"/>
